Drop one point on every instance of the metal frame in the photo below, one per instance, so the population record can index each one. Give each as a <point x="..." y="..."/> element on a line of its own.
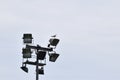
<point x="36" y="62"/>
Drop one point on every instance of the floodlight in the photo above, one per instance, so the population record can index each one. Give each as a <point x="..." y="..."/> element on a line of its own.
<point x="24" y="68"/>
<point x="53" y="57"/>
<point x="41" y="55"/>
<point x="41" y="71"/>
<point x="54" y="41"/>
<point x="26" y="52"/>
<point x="27" y="38"/>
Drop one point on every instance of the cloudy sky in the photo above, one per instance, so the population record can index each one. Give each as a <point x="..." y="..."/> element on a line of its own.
<point x="89" y="31"/>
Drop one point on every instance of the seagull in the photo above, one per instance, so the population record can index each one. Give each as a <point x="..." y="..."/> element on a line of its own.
<point x="54" y="35"/>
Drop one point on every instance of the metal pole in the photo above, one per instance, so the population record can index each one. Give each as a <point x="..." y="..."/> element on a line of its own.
<point x="37" y="74"/>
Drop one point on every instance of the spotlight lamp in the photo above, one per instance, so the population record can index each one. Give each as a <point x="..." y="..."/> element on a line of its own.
<point x="26" y="52"/>
<point x="53" y="57"/>
<point x="27" y="38"/>
<point x="41" y="71"/>
<point x="53" y="42"/>
<point x="41" y="55"/>
<point x="24" y="68"/>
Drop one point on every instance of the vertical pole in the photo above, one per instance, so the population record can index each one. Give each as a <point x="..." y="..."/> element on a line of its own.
<point x="37" y="74"/>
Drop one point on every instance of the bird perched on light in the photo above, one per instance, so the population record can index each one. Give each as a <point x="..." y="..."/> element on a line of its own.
<point x="54" y="35"/>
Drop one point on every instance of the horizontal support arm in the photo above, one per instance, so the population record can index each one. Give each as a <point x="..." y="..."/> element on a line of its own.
<point x="34" y="63"/>
<point x="39" y="48"/>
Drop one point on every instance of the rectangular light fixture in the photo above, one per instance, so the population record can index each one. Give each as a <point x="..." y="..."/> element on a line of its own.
<point x="41" y="55"/>
<point x="41" y="71"/>
<point x="54" y="41"/>
<point x="26" y="52"/>
<point x="53" y="57"/>
<point x="24" y="68"/>
<point x="27" y="38"/>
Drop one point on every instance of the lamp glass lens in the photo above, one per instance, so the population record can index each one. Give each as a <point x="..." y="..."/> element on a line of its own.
<point x="54" y="42"/>
<point x="41" y="55"/>
<point x="41" y="71"/>
<point x="27" y="40"/>
<point x="53" y="57"/>
<point x="26" y="53"/>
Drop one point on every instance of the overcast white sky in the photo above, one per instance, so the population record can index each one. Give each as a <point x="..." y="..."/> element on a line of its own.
<point x="89" y="31"/>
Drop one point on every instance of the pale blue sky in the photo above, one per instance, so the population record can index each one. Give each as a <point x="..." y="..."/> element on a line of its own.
<point x="89" y="33"/>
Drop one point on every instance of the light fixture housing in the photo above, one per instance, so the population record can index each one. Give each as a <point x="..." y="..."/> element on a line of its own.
<point x="54" y="41"/>
<point x="24" y="68"/>
<point x="53" y="57"/>
<point x="41" y="55"/>
<point x="27" y="38"/>
<point x="26" y="52"/>
<point x="41" y="71"/>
